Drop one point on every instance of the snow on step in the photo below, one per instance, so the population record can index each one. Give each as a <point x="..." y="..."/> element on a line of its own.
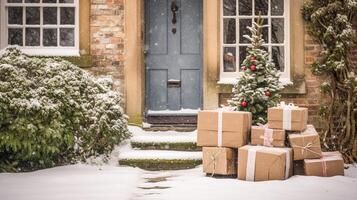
<point x="142" y="136"/>
<point x="159" y="155"/>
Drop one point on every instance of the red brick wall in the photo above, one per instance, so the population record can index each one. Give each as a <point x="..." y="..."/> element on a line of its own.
<point x="313" y="98"/>
<point x="107" y="40"/>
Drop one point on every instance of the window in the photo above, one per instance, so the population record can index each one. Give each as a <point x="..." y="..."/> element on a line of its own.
<point x="41" y="27"/>
<point x="236" y="15"/>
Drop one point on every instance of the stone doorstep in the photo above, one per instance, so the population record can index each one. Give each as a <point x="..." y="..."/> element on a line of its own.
<point x="155" y="160"/>
<point x="177" y="146"/>
<point x="160" y="164"/>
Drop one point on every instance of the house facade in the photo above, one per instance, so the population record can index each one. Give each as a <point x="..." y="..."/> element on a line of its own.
<point x="167" y="57"/>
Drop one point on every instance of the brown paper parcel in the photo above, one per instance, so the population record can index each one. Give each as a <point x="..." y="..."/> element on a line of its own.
<point x="279" y="119"/>
<point x="234" y="126"/>
<point x="259" y="163"/>
<point x="219" y="160"/>
<point x="331" y="164"/>
<point x="258" y="137"/>
<point x="305" y="145"/>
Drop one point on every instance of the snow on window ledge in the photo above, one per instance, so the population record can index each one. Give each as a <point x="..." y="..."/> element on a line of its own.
<point x="233" y="81"/>
<point x="51" y="52"/>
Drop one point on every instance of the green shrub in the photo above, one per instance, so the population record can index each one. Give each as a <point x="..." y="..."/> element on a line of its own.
<point x="52" y="112"/>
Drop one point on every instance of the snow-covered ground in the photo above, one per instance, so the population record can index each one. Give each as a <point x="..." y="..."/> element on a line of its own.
<point x="87" y="182"/>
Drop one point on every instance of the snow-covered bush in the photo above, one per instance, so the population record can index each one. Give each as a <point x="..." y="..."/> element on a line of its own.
<point x="52" y="112"/>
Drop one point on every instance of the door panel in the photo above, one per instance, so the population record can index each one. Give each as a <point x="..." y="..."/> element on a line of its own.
<point x="158" y="33"/>
<point x="190" y="85"/>
<point x="190" y="34"/>
<point x="158" y="89"/>
<point x="173" y="54"/>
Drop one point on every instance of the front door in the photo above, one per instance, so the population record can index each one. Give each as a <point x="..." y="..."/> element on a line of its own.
<point x="173" y="55"/>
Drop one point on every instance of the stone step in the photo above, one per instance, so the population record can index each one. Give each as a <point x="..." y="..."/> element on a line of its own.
<point x="156" y="160"/>
<point x="164" y="140"/>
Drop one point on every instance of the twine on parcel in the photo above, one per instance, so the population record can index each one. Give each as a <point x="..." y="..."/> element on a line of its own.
<point x="306" y="148"/>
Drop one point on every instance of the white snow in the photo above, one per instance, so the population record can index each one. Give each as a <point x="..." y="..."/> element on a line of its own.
<point x="84" y="182"/>
<point x="79" y="182"/>
<point x="160" y="155"/>
<point x="193" y="184"/>
<point x="142" y="136"/>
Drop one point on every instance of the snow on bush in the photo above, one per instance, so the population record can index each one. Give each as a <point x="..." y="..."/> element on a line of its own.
<point x="52" y="112"/>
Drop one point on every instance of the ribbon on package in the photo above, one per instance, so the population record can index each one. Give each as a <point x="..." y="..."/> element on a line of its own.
<point x="252" y="152"/>
<point x="268" y="135"/>
<point x="287" y="108"/>
<point x="250" y="170"/>
<point x="220" y="124"/>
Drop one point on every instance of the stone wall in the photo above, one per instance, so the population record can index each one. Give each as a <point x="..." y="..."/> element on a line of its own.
<point x="107" y="40"/>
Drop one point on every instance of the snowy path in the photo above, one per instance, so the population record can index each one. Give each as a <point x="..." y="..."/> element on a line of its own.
<point x="84" y="182"/>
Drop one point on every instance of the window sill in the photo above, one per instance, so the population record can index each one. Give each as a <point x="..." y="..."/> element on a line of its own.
<point x="233" y="81"/>
<point x="60" y="52"/>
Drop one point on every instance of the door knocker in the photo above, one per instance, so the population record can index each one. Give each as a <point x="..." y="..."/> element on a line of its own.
<point x="174" y="9"/>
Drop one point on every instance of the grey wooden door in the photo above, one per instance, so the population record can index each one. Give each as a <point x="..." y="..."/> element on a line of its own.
<point x="173" y="54"/>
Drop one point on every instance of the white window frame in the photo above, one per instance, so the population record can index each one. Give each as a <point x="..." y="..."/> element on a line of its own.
<point x="232" y="77"/>
<point x="40" y="50"/>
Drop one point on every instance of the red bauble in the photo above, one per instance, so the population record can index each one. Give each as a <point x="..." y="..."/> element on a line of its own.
<point x="253" y="67"/>
<point x="244" y="104"/>
<point x="267" y="93"/>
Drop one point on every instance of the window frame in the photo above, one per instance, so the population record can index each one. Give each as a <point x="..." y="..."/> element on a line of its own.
<point x="232" y="77"/>
<point x="41" y="50"/>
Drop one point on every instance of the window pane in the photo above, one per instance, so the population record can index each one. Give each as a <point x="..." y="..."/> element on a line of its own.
<point x="229" y="7"/>
<point x="265" y="30"/>
<point x="32" y="37"/>
<point x="277" y="7"/>
<point x="229" y="59"/>
<point x="49" y="1"/>
<point x="32" y="1"/>
<point x="261" y="7"/>
<point x="66" y="1"/>
<point x="277" y="33"/>
<point x="67" y="15"/>
<point x="242" y="54"/>
<point x="15" y="36"/>
<point x="278" y="57"/>
<point x="14" y="1"/>
<point x="243" y="30"/>
<point x="245" y="7"/>
<point x="229" y="32"/>
<point x="32" y="15"/>
<point x="15" y="15"/>
<point x="67" y="37"/>
<point x="49" y="37"/>
<point x="49" y="15"/>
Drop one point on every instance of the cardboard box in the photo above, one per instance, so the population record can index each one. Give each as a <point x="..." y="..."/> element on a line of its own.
<point x="234" y="126"/>
<point x="294" y="119"/>
<point x="262" y="135"/>
<point x="219" y="160"/>
<point x="259" y="163"/>
<point x="331" y="164"/>
<point x="306" y="144"/>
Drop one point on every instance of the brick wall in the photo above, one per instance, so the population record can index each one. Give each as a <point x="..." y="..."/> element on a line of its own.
<point x="313" y="98"/>
<point x="107" y="40"/>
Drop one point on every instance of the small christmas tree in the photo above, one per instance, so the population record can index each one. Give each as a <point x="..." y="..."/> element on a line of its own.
<point x="258" y="87"/>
